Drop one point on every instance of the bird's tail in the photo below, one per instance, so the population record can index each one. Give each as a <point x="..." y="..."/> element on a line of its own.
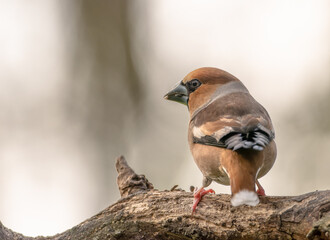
<point x="242" y="170"/>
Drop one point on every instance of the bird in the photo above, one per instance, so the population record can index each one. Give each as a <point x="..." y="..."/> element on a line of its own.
<point x="230" y="135"/>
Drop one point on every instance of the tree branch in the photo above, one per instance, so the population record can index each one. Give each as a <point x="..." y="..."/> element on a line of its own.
<point x="146" y="213"/>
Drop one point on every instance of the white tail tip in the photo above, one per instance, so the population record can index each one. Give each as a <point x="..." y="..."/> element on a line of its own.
<point x="245" y="197"/>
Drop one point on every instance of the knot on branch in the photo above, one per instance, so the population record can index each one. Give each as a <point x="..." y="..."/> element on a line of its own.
<point x="128" y="181"/>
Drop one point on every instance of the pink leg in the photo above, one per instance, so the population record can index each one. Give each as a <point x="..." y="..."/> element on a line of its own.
<point x="198" y="194"/>
<point x="261" y="190"/>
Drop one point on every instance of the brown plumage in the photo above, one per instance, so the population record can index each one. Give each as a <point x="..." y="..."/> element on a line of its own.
<point x="230" y="134"/>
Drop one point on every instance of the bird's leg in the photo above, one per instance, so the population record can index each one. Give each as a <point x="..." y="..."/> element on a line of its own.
<point x="198" y="194"/>
<point x="261" y="190"/>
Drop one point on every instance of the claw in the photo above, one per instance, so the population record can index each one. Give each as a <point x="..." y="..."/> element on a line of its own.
<point x="198" y="194"/>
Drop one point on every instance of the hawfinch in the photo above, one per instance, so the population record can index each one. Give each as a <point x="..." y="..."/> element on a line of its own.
<point x="231" y="136"/>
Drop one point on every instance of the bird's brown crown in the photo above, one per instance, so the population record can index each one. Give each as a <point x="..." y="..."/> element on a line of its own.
<point x="210" y="75"/>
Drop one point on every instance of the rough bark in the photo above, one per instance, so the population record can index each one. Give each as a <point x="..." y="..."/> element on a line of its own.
<point x="146" y="213"/>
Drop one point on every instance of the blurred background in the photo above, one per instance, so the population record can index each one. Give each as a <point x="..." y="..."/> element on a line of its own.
<point x="82" y="82"/>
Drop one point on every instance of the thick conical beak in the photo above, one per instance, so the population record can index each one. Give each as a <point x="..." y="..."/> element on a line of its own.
<point x="178" y="94"/>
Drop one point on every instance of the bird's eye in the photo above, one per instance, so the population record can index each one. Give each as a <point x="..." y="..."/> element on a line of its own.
<point x="193" y="85"/>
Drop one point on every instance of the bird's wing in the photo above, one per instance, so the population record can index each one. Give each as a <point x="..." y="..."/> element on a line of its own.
<point x="249" y="131"/>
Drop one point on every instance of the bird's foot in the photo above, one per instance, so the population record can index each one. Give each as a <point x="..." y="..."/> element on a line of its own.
<point x="198" y="194"/>
<point x="261" y="190"/>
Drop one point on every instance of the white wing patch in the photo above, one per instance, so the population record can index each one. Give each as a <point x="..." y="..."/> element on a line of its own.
<point x="197" y="132"/>
<point x="222" y="132"/>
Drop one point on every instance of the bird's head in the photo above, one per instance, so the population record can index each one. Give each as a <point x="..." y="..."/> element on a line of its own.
<point x="199" y="87"/>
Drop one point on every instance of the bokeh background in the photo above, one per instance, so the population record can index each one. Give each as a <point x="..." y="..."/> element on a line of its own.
<point x="82" y="82"/>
